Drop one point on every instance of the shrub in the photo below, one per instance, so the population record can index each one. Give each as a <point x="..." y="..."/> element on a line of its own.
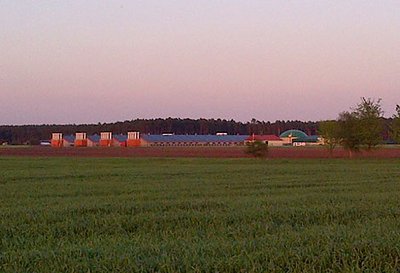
<point x="258" y="149"/>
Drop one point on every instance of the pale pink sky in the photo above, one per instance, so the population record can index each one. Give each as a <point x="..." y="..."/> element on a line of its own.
<point x="99" y="61"/>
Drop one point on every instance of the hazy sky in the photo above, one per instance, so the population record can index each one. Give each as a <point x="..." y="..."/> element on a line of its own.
<point x="96" y="61"/>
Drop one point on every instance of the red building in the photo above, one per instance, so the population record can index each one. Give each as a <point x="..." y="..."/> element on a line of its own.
<point x="133" y="139"/>
<point x="56" y="140"/>
<point x="80" y="140"/>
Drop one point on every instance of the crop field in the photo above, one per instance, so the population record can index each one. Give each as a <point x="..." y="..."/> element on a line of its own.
<point x="199" y="215"/>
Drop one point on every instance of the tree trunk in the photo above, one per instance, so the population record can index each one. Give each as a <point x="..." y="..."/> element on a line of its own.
<point x="350" y="153"/>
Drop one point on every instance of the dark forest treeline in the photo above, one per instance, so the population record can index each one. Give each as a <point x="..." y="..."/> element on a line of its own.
<point x="32" y="134"/>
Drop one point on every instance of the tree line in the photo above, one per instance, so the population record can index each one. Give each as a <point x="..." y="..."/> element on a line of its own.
<point x="361" y="127"/>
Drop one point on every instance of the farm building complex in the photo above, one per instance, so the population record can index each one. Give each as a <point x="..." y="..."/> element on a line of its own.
<point x="135" y="139"/>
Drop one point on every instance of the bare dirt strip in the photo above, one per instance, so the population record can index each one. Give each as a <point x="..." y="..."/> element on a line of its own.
<point x="211" y="152"/>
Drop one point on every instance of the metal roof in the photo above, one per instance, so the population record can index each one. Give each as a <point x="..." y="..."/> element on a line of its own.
<point x="194" y="138"/>
<point x="94" y="138"/>
<point x="120" y="138"/>
<point x="69" y="138"/>
<point x="264" y="138"/>
<point x="294" y="133"/>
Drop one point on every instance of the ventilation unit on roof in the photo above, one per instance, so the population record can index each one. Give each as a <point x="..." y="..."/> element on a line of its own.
<point x="80" y="136"/>
<point x="133" y="135"/>
<point x="56" y="136"/>
<point x="105" y="135"/>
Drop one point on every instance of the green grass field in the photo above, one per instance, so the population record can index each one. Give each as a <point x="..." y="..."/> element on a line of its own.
<point x="199" y="215"/>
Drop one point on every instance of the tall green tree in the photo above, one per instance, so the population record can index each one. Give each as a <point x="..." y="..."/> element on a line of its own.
<point x="329" y="130"/>
<point x="369" y="114"/>
<point x="349" y="132"/>
<point x="395" y="126"/>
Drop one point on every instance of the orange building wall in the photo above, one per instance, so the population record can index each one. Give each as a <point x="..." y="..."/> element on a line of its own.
<point x="81" y="143"/>
<point x="105" y="142"/>
<point x="56" y="143"/>
<point x="133" y="143"/>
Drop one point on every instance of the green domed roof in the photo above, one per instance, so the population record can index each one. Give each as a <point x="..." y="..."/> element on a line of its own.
<point x="294" y="133"/>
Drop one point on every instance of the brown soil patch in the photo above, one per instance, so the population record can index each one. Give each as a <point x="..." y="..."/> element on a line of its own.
<point x="211" y="152"/>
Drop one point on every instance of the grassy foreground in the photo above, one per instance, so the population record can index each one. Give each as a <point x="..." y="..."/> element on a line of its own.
<point x="199" y="215"/>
